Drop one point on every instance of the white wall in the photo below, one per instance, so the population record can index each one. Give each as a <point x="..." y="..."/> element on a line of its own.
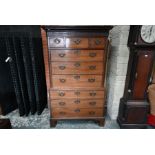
<point x="117" y="68"/>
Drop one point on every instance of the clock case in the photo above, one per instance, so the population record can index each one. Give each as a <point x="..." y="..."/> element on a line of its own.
<point x="134" y="105"/>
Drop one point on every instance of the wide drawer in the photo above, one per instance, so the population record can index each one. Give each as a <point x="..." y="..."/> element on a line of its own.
<point x="77" y="103"/>
<point x="76" y="81"/>
<point x="78" y="94"/>
<point x="76" y="112"/>
<point x="77" y="67"/>
<point x="77" y="55"/>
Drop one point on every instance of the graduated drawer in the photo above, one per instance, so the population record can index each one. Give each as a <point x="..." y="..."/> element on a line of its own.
<point x="77" y="55"/>
<point x="78" y="94"/>
<point x="76" y="112"/>
<point x="76" y="81"/>
<point x="77" y="103"/>
<point x="76" y="42"/>
<point x="77" y="67"/>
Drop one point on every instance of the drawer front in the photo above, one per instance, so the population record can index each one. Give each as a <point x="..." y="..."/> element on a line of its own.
<point x="77" y="55"/>
<point x="77" y="103"/>
<point x="76" y="112"/>
<point x="61" y="94"/>
<point x="94" y="94"/>
<point x="77" y="94"/>
<point x="77" y="42"/>
<point x="97" y="43"/>
<point x="77" y="67"/>
<point x="76" y="81"/>
<point x="56" y="42"/>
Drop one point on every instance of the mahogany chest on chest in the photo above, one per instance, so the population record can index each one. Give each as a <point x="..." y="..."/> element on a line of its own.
<point x="75" y="62"/>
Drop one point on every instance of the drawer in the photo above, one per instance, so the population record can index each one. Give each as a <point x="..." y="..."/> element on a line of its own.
<point x="97" y="42"/>
<point x="60" y="94"/>
<point x="72" y="42"/>
<point x="77" y="67"/>
<point x="77" y="94"/>
<point x="91" y="94"/>
<point x="76" y="81"/>
<point x="77" y="103"/>
<point x="76" y="112"/>
<point x="77" y="55"/>
<point x="54" y="42"/>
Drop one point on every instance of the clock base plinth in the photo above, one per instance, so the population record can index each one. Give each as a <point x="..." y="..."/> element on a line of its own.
<point x="133" y="114"/>
<point x="123" y="125"/>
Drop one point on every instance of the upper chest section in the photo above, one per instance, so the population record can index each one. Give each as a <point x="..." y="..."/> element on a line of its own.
<point x="76" y="40"/>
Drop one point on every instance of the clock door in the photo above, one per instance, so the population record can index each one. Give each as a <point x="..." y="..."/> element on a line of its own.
<point x="142" y="74"/>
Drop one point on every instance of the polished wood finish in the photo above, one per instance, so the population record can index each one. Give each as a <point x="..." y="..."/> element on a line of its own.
<point x="76" y="112"/>
<point x="5" y="124"/>
<point x="77" y="93"/>
<point x="56" y="42"/>
<point x="77" y="43"/>
<point x="77" y="67"/>
<point x="46" y="56"/>
<point x="144" y="65"/>
<point x="76" y="81"/>
<point x="77" y="103"/>
<point x="97" y="42"/>
<point x="134" y="106"/>
<point x="77" y="55"/>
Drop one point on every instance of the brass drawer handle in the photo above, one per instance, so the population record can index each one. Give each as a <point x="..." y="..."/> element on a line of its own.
<point x="61" y="94"/>
<point x="77" y="93"/>
<point x="97" y="42"/>
<point x="62" y="67"/>
<point x="92" y="103"/>
<point x="62" y="103"/>
<point x="77" y="77"/>
<point x="77" y="41"/>
<point x="77" y="64"/>
<point x="77" y="110"/>
<point x="92" y="94"/>
<point x="62" y="55"/>
<point x="92" y="54"/>
<point x="62" y="80"/>
<point x="91" y="113"/>
<point x="77" y="101"/>
<point x="62" y="113"/>
<point x="77" y="52"/>
<point x="57" y="41"/>
<point x="91" y="80"/>
<point x="92" y="67"/>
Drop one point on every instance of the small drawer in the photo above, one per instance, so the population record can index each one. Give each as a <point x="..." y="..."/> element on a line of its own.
<point x="77" y="55"/>
<point x="97" y="43"/>
<point x="77" y="103"/>
<point x="56" y="42"/>
<point x="77" y="112"/>
<point x="76" y="81"/>
<point x="61" y="94"/>
<point x="77" y="67"/>
<point x="77" y="43"/>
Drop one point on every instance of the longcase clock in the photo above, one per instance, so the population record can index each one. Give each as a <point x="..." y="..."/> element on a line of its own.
<point x="134" y="106"/>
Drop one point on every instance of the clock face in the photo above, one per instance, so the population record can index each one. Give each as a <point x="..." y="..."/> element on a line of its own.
<point x="148" y="33"/>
